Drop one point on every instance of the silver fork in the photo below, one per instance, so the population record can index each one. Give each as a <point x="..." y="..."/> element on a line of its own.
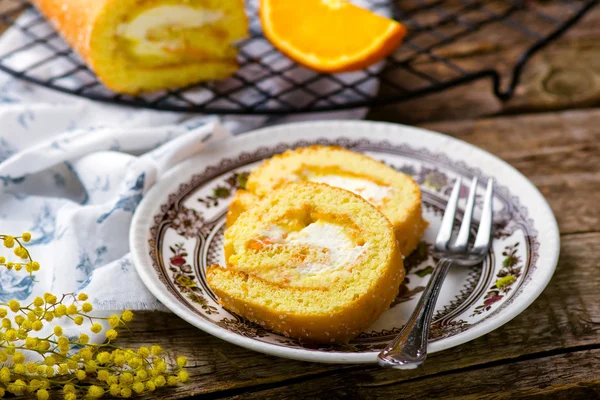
<point x="409" y="348"/>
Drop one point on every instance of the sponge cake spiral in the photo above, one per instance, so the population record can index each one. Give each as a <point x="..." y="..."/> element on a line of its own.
<point x="395" y="194"/>
<point x="309" y="261"/>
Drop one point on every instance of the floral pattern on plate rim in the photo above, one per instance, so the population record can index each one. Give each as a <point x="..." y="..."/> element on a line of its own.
<point x="431" y="178"/>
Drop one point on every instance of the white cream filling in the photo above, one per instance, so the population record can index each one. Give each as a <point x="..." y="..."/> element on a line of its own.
<point x="173" y="15"/>
<point x="341" y="250"/>
<point x="368" y="190"/>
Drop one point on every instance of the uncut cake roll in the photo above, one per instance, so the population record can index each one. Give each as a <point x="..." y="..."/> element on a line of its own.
<point x="395" y="194"/>
<point x="137" y="46"/>
<point x="310" y="261"/>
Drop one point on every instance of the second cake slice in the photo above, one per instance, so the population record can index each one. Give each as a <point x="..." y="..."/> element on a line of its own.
<point x="395" y="194"/>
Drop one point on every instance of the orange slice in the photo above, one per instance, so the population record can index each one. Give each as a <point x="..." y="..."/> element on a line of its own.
<point x="329" y="35"/>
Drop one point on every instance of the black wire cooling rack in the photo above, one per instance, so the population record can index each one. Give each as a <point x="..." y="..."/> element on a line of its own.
<point x="440" y="51"/>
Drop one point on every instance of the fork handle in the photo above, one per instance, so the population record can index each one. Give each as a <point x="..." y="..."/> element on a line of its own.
<point x="409" y="348"/>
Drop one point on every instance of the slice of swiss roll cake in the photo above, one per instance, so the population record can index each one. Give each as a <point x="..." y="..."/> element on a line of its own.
<point x="395" y="194"/>
<point x="242" y="201"/>
<point x="309" y="261"/>
<point x="138" y="46"/>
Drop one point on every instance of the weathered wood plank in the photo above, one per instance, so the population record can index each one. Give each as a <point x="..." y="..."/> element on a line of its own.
<point x="566" y="74"/>
<point x="565" y="316"/>
<point x="511" y="137"/>
<point x="564" y="376"/>
<point x="559" y="152"/>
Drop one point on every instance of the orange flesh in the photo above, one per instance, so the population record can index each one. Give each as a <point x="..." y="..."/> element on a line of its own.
<point x="329" y="35"/>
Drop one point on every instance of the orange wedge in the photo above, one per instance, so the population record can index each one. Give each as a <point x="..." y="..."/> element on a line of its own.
<point x="329" y="35"/>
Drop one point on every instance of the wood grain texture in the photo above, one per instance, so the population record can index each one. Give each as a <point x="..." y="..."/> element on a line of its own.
<point x="559" y="152"/>
<point x="564" y="75"/>
<point x="559" y="376"/>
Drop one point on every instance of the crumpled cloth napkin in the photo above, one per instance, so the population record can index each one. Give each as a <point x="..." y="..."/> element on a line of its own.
<point x="72" y="172"/>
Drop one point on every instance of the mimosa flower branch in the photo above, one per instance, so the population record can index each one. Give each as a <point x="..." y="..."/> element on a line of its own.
<point x="38" y="363"/>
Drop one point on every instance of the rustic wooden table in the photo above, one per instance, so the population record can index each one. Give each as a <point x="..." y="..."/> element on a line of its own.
<point x="550" y="131"/>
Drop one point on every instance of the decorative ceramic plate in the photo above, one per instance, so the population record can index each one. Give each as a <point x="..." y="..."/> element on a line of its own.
<point x="178" y="230"/>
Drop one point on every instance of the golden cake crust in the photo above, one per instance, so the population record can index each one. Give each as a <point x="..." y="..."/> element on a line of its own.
<point x="335" y="306"/>
<point x="338" y="327"/>
<point x="242" y="201"/>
